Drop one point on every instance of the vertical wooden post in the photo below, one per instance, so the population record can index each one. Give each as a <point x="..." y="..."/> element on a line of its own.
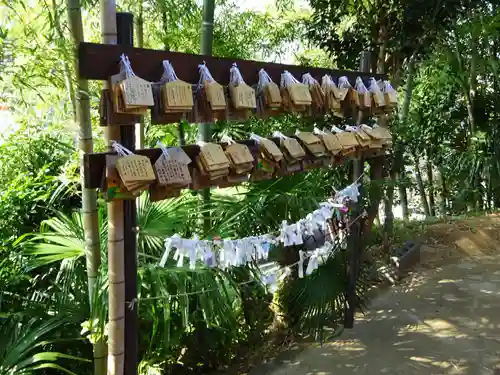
<point x="355" y="243"/>
<point x="125" y="36"/>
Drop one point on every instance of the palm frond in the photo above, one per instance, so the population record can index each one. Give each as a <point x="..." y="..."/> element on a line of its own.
<point x="21" y="350"/>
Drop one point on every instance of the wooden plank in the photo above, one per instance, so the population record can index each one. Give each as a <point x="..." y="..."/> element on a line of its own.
<point x="95" y="163"/>
<point x="100" y="61"/>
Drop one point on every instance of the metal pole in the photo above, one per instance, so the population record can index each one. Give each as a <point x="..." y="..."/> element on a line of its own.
<point x="204" y="131"/>
<point x="354" y="242"/>
<point x="125" y="33"/>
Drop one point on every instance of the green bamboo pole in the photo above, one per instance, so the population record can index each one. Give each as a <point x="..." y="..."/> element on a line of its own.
<point x="204" y="130"/>
<point x="116" y="260"/>
<point x="89" y="196"/>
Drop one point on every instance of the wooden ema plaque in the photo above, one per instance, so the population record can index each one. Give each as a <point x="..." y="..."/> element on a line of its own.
<point x="272" y="95"/>
<point x="378" y="98"/>
<point x="317" y="96"/>
<point x="383" y="134"/>
<point x="331" y="96"/>
<point x="212" y="161"/>
<point x="241" y="158"/>
<point x="119" y="103"/>
<point x="375" y="141"/>
<point x="288" y="104"/>
<point x="292" y="149"/>
<point x="136" y="92"/>
<point x="171" y="172"/>
<point x="299" y="94"/>
<point x="215" y="95"/>
<point x="364" y="99"/>
<point x="242" y="96"/>
<point x="136" y="172"/>
<point x="341" y="93"/>
<point x="112" y="186"/>
<point x="270" y="150"/>
<point x="363" y="138"/>
<point x="312" y="143"/>
<point x="348" y="141"/>
<point x="331" y="142"/>
<point x="107" y="114"/>
<point x="159" y="115"/>
<point x="177" y="96"/>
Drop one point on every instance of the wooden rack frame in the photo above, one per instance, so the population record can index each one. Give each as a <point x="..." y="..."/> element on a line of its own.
<point x="100" y="61"/>
<point x="95" y="163"/>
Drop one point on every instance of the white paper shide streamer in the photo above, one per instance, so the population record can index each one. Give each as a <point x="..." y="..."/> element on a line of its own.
<point x="227" y="253"/>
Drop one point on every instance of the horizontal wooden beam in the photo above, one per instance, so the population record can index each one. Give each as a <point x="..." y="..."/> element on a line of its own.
<point x="95" y="163"/>
<point x="100" y="61"/>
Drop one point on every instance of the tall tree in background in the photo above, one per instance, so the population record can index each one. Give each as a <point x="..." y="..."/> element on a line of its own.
<point x="398" y="32"/>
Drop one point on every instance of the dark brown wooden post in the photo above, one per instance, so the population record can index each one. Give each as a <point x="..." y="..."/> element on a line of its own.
<point x="125" y="34"/>
<point x="355" y="242"/>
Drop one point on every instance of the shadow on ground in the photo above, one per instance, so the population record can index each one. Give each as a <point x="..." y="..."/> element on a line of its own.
<point x="440" y="321"/>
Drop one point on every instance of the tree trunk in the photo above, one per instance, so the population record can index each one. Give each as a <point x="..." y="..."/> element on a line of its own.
<point x="89" y="196"/>
<point x="403" y="197"/>
<point x="399" y="155"/>
<point x="421" y="187"/>
<point x="430" y="184"/>
<point x="376" y="193"/>
<point x="397" y="167"/>
<point x="442" y="193"/>
<point x="116" y="261"/>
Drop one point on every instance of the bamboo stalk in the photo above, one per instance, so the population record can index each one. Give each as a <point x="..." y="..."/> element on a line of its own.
<point x="68" y="81"/>
<point x="116" y="262"/>
<point x="116" y="279"/>
<point x="204" y="130"/>
<point x="89" y="196"/>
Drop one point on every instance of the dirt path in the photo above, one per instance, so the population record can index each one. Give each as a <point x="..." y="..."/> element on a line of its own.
<point x="444" y="319"/>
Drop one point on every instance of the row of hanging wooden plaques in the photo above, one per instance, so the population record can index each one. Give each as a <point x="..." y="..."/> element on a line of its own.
<point x="100" y="62"/>
<point x="173" y="100"/>
<point x="224" y="165"/>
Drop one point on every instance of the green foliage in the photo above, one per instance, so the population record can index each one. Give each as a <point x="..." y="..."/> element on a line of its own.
<point x="24" y="344"/>
<point x="452" y="125"/>
<point x="345" y="28"/>
<point x="315" y="304"/>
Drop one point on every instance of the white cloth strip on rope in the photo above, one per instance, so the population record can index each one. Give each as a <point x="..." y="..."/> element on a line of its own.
<point x="272" y="275"/>
<point x="245" y="250"/>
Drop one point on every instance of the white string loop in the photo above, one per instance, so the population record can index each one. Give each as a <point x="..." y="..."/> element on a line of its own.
<point x="125" y="66"/>
<point x="235" y="76"/>
<point x="264" y="79"/>
<point x="120" y="150"/>
<point x="287" y="79"/>
<point x="279" y="134"/>
<point x="308" y="79"/>
<point x="204" y="74"/>
<point x="360" y="86"/>
<point x="344" y="83"/>
<point x="227" y="139"/>
<point x="168" y="72"/>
